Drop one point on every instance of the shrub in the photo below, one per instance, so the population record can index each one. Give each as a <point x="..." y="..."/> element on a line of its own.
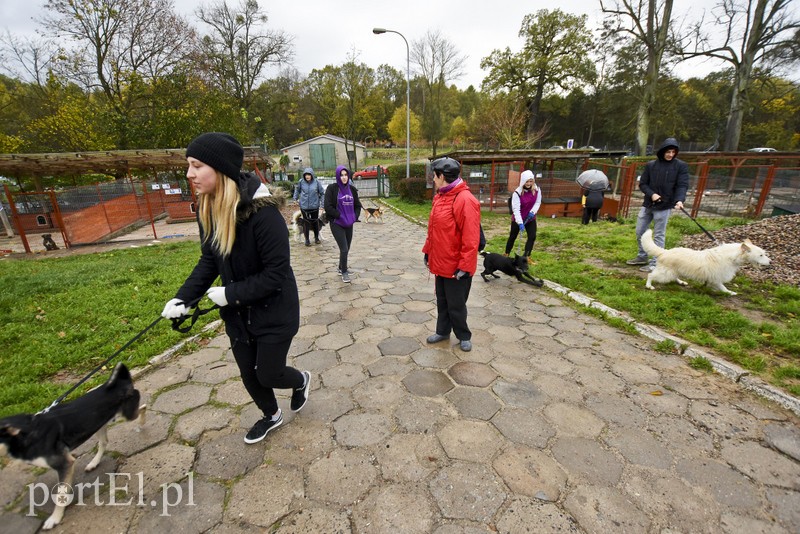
<point x="413" y="189"/>
<point x="286" y="186"/>
<point x="397" y="175"/>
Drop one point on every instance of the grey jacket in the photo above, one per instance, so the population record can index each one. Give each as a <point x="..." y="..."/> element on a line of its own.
<point x="309" y="194"/>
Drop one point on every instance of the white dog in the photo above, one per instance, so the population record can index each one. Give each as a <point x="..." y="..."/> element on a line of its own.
<point x="714" y="266"/>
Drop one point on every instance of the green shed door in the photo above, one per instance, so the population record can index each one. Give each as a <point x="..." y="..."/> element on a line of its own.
<point x="323" y="156"/>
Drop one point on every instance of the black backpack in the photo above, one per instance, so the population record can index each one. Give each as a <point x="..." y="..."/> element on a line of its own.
<point x="510" y="209"/>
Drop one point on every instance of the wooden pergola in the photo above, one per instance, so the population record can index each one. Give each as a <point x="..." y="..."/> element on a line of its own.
<point x="112" y="162"/>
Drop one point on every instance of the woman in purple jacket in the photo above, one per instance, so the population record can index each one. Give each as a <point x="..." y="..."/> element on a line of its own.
<point x="342" y="208"/>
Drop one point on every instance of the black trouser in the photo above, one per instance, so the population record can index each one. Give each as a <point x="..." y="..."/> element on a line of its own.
<point x="263" y="367"/>
<point x="590" y="213"/>
<point x="451" y="306"/>
<point x="530" y="229"/>
<point x="343" y="237"/>
<point x="311" y="220"/>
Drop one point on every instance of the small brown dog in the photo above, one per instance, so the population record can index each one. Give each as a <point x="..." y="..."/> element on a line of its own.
<point x="373" y="213"/>
<point x="47" y="241"/>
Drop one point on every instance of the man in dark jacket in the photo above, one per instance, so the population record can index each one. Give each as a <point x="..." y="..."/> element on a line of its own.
<point x="664" y="183"/>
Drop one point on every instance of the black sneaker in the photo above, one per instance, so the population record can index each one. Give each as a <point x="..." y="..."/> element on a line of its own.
<point x="300" y="395"/>
<point x="308" y="243"/>
<point x="317" y="241"/>
<point x="262" y="428"/>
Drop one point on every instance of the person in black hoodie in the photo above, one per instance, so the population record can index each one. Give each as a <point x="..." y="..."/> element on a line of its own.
<point x="243" y="241"/>
<point x="664" y="183"/>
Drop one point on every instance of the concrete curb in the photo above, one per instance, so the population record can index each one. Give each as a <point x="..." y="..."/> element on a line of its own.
<point x="720" y="366"/>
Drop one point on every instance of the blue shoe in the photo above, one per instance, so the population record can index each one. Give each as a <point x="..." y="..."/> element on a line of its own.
<point x="466" y="345"/>
<point x="435" y="338"/>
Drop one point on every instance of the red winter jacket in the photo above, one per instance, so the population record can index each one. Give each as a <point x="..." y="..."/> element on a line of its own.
<point x="453" y="232"/>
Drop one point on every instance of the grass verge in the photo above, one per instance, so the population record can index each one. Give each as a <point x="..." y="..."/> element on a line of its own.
<point x="61" y="317"/>
<point x="757" y="329"/>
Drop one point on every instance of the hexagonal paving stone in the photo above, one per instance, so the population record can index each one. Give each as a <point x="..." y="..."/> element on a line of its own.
<point x="232" y="393"/>
<point x="396" y="508"/>
<point x="524" y="514"/>
<point x="265" y="495"/>
<point x="474" y="403"/>
<point x="357" y="430"/>
<point x="343" y="477"/>
<point x="472" y="441"/>
<point x="523" y="427"/>
<point x="398" y="346"/>
<point x="472" y="374"/>
<point x="423" y="414"/>
<point x="467" y="491"/>
<point x="182" y="398"/>
<point x="427" y="383"/>
<point x="572" y="420"/>
<point x="344" y="375"/>
<point x="327" y="404"/>
<point x="227" y="457"/>
<point x="410" y="457"/>
<point x="437" y="358"/>
<point x="215" y="372"/>
<point x="333" y="341"/>
<point x="531" y="472"/>
<point x="191" y="425"/>
<point x="522" y="394"/>
<point x="585" y="460"/>
<point x="378" y="393"/>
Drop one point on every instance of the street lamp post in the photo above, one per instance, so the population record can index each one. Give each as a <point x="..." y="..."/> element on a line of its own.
<point x="378" y="31"/>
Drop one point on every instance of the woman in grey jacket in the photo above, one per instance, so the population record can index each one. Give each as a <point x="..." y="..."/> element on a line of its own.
<point x="308" y="194"/>
<point x="243" y="241"/>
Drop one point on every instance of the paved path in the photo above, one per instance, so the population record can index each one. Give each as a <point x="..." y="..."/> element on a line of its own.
<point x="555" y="422"/>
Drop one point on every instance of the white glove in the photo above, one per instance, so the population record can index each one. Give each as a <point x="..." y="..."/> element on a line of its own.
<point x="217" y="295"/>
<point x="174" y="309"/>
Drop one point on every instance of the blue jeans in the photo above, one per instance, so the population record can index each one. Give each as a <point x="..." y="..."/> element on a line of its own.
<point x="659" y="219"/>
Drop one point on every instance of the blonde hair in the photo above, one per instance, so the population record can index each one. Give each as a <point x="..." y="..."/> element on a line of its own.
<point x="217" y="214"/>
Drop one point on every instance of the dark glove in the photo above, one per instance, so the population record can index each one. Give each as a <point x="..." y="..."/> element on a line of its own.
<point x="425" y="259"/>
<point x="521" y="228"/>
<point x="460" y="274"/>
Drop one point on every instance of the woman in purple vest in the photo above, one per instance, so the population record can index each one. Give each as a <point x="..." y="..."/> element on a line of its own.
<point x="342" y="208"/>
<point x="525" y="202"/>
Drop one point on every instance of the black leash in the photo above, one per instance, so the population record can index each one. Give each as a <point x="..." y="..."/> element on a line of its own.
<point x="711" y="237"/>
<point x="176" y="325"/>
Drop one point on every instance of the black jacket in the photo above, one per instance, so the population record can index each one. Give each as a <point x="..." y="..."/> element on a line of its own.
<point x="670" y="179"/>
<point x="259" y="282"/>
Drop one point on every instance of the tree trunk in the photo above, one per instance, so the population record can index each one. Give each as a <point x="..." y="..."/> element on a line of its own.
<point x="533" y="111"/>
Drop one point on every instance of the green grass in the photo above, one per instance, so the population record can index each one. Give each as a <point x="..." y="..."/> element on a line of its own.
<point x="591" y="259"/>
<point x="61" y="317"/>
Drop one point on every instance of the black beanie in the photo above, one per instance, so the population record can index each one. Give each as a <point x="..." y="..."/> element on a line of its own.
<point x="219" y="150"/>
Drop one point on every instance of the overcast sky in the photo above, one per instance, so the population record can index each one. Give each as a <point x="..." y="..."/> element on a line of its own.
<point x="326" y="32"/>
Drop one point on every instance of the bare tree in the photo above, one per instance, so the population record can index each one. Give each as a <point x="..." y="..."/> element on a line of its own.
<point x="238" y="49"/>
<point x="120" y="46"/>
<point x="648" y="22"/>
<point x="438" y="62"/>
<point x="119" y="40"/>
<point x="28" y="59"/>
<point x="750" y="35"/>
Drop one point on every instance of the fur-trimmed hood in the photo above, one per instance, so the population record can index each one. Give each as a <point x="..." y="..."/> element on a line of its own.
<point x="252" y="201"/>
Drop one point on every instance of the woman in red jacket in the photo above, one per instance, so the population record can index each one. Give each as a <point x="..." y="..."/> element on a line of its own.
<point x="451" y="250"/>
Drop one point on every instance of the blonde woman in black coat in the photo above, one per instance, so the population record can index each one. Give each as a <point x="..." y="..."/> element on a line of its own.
<point x="244" y="242"/>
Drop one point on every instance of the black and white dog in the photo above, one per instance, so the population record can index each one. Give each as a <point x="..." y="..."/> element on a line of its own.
<point x="516" y="267"/>
<point x="299" y="224"/>
<point x="46" y="439"/>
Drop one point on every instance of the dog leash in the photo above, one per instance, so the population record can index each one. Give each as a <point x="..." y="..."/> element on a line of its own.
<point x="714" y="239"/>
<point x="176" y="325"/>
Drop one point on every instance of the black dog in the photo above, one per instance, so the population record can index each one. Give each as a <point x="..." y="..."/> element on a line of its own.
<point x="47" y="438"/>
<point x="47" y="241"/>
<point x="517" y="267"/>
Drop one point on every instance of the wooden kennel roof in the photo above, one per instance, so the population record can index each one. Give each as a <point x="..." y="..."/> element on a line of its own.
<point x="112" y="162"/>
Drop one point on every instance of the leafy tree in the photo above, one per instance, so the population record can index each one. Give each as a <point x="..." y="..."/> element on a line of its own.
<point x="397" y="125"/>
<point x="499" y="123"/>
<point x="752" y="36"/>
<point x="647" y="22"/>
<point x="554" y="56"/>
<point x="238" y="50"/>
<point x="458" y="130"/>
